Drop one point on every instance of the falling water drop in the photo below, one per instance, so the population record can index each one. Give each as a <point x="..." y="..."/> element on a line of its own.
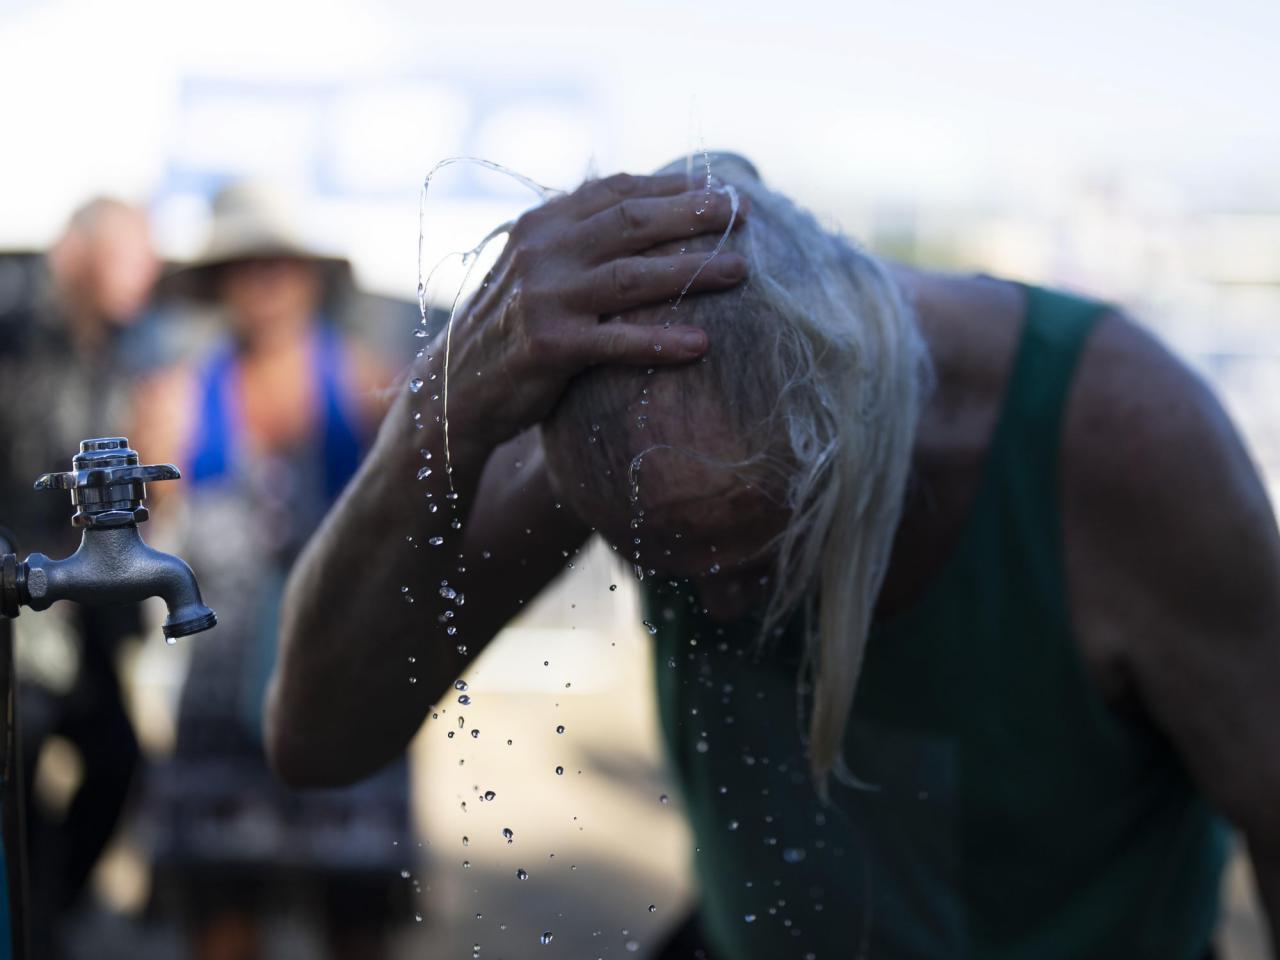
<point x="415" y="384"/>
<point x="522" y="874"/>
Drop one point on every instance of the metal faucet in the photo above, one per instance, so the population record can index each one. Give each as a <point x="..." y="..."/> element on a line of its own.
<point x="113" y="564"/>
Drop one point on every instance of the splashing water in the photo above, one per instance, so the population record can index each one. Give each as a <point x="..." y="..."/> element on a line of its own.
<point x="469" y="259"/>
<point x="734" y="206"/>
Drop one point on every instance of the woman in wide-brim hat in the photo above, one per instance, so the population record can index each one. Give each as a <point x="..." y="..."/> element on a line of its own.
<point x="267" y="430"/>
<point x="253" y="221"/>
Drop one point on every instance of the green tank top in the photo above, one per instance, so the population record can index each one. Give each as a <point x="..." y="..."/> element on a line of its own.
<point x="1014" y="815"/>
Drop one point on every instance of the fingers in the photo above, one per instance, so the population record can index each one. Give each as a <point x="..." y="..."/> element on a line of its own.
<point x="638" y="281"/>
<point x="596" y="195"/>
<point x="635" y="343"/>
<point x="639" y="223"/>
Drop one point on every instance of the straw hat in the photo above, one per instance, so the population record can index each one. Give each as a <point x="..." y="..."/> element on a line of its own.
<point x="251" y="221"/>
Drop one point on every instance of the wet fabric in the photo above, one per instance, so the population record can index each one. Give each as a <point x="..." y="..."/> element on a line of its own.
<point x="224" y="828"/>
<point x="1013" y="815"/>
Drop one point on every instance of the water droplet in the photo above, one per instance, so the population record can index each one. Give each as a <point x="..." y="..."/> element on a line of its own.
<point x="793" y="854"/>
<point x="460" y="685"/>
<point x="702" y="746"/>
<point x="466" y="841"/>
<point x="546" y="937"/>
<point x="653" y="631"/>
<point x="489" y="794"/>
<point x="560" y="728"/>
<point x="171" y="640"/>
<point x="657" y="348"/>
<point x="404" y="874"/>
<point x="522" y="874"/>
<point x="420" y="333"/>
<point x="733" y="825"/>
<point x="508" y="833"/>
<point x="475" y="734"/>
<point x="559" y="771"/>
<point x="664" y="799"/>
<point x="413" y="679"/>
<point x="466" y="864"/>
<point x="750" y="918"/>
<point x="653" y="908"/>
<point x="417" y="917"/>
<point x="415" y="384"/>
<point x="424" y="472"/>
<point x="464" y="700"/>
<point x="612" y="587"/>
<point x="435" y="541"/>
<point x="632" y="946"/>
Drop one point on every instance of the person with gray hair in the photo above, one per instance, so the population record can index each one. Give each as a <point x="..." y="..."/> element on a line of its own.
<point x="966" y="589"/>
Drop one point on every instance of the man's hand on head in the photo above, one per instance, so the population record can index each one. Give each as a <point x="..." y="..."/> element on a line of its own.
<point x="568" y="266"/>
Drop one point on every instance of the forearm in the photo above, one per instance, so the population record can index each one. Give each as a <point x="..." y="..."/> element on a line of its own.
<point x="361" y="657"/>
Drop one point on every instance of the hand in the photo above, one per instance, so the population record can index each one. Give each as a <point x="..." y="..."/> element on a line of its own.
<point x="540" y="317"/>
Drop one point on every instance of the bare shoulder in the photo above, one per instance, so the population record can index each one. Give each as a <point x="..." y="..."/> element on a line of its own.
<point x="1152" y="462"/>
<point x="1173" y="565"/>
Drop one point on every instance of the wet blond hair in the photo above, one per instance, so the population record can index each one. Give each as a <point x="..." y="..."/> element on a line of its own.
<point x="820" y="367"/>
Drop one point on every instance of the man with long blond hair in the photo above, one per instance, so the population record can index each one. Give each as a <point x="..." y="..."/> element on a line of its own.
<point x="969" y="588"/>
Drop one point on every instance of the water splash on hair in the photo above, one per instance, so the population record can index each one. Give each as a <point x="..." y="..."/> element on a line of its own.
<point x="734" y="206"/>
<point x="469" y="259"/>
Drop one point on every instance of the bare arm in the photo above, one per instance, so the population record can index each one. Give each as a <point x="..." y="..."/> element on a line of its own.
<point x="1194" y="580"/>
<point x="341" y="702"/>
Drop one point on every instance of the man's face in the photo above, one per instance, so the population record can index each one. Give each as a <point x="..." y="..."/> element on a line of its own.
<point x="120" y="266"/>
<point x="697" y="513"/>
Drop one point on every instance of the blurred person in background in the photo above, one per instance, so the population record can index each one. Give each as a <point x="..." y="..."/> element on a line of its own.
<point x="68" y="355"/>
<point x="1038" y="526"/>
<point x="266" y="430"/>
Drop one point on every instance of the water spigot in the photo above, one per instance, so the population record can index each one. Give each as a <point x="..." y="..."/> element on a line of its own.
<point x="113" y="564"/>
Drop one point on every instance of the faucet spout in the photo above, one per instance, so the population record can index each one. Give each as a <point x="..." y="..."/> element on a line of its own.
<point x="115" y="565"/>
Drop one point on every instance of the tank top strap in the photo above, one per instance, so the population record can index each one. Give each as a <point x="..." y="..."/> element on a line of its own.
<point x="1055" y="328"/>
<point x="209" y="448"/>
<point x="341" y="440"/>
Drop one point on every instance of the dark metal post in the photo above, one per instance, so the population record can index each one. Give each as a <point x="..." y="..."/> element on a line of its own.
<point x="13" y="833"/>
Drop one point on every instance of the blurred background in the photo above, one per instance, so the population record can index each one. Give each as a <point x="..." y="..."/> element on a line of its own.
<point x="1126" y="151"/>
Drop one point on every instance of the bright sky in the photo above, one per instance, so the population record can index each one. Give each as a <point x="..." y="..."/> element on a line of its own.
<point x="926" y="102"/>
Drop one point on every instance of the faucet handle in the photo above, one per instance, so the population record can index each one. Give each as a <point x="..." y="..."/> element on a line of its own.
<point x="107" y="482"/>
<point x="105" y="476"/>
